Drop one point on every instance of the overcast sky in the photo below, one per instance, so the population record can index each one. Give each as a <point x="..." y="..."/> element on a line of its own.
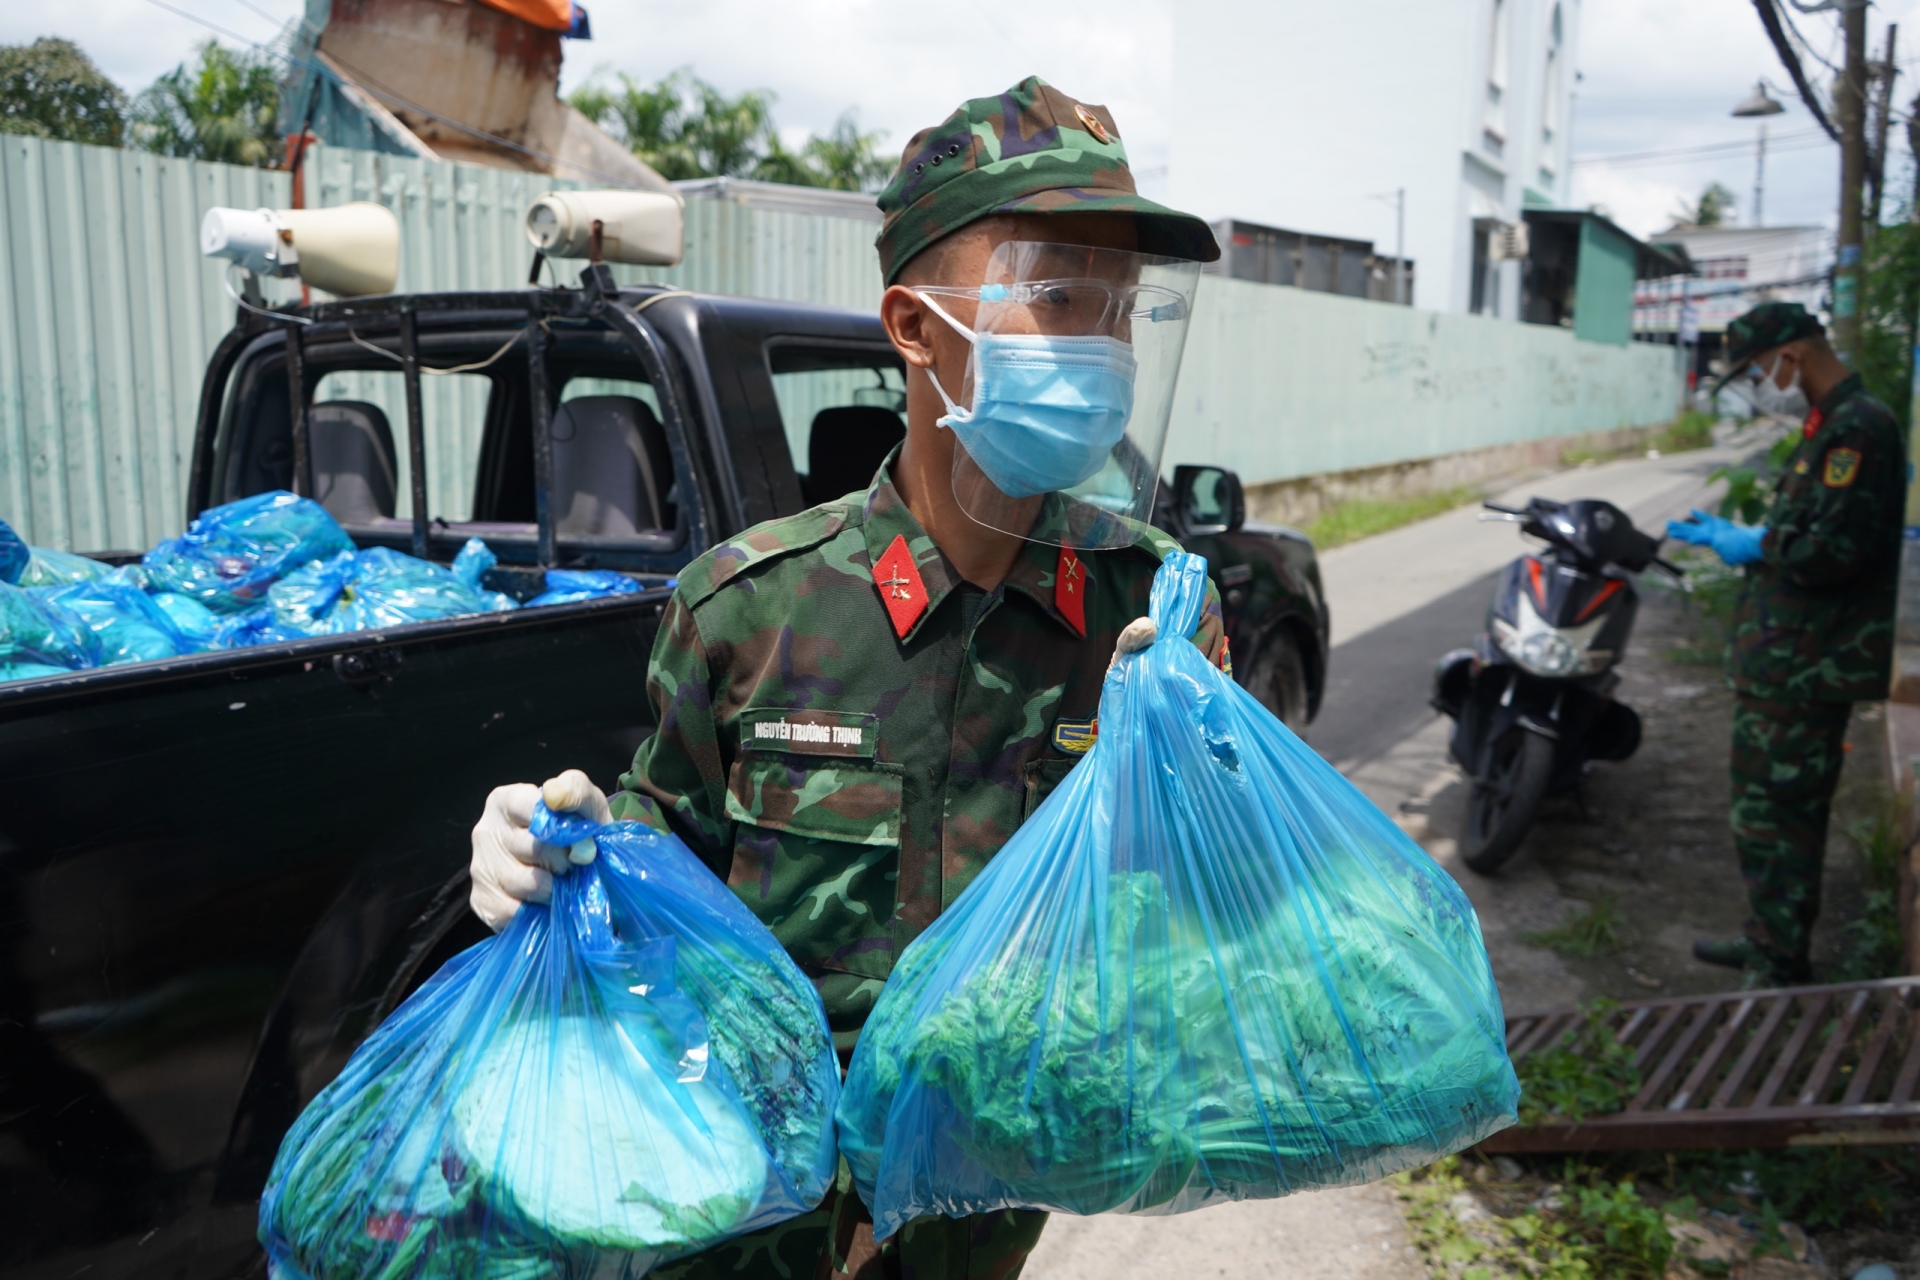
<point x="1657" y="74"/>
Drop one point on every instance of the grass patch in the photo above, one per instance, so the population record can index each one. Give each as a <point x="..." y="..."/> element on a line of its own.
<point x="1598" y="931"/>
<point x="1691" y="430"/>
<point x="1364" y="517"/>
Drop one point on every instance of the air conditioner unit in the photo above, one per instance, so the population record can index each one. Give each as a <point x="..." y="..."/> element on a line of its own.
<point x="1508" y="241"/>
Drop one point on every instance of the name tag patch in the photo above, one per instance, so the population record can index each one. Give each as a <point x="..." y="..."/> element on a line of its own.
<point x="1076" y="737"/>
<point x="807" y="732"/>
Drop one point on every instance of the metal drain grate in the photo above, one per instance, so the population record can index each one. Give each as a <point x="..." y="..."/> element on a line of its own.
<point x="1796" y="1066"/>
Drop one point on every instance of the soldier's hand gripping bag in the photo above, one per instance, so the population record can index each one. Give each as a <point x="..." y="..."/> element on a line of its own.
<point x="1206" y="969"/>
<point x="626" y="1076"/>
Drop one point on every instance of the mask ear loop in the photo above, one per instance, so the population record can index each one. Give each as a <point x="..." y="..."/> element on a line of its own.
<point x="954" y="412"/>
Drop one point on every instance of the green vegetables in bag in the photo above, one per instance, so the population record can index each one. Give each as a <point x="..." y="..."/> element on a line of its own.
<point x="1100" y="1094"/>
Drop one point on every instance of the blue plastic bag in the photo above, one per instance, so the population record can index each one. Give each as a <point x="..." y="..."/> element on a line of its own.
<point x="231" y="554"/>
<point x="49" y="568"/>
<point x="254" y="627"/>
<point x="13" y="554"/>
<point x="129" y="625"/>
<point x="564" y="586"/>
<point x="471" y="566"/>
<point x="36" y="640"/>
<point x="193" y="620"/>
<point x="1206" y="969"/>
<point x="364" y="590"/>
<point x="630" y="1075"/>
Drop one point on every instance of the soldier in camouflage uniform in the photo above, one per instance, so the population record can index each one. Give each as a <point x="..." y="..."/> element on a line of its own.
<point x="1813" y="632"/>
<point x="859" y="705"/>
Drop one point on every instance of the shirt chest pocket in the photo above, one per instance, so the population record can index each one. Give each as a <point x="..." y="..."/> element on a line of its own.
<point x="816" y="856"/>
<point x="1040" y="777"/>
<point x="849" y="801"/>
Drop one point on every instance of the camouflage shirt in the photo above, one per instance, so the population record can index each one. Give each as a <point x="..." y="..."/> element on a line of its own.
<point x="848" y="735"/>
<point x="1815" y="620"/>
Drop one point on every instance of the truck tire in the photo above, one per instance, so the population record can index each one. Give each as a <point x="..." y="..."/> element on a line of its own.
<point x="1503" y="804"/>
<point x="1278" y="679"/>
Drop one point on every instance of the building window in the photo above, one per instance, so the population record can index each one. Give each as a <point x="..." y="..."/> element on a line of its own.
<point x="1550" y="96"/>
<point x="1494" y="129"/>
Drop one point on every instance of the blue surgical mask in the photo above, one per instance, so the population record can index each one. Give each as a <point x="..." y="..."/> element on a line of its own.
<point x="1047" y="411"/>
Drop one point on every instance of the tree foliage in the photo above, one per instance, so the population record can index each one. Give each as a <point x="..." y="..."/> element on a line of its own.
<point x="683" y="127"/>
<point x="222" y="106"/>
<point x="1713" y="208"/>
<point x="1889" y="302"/>
<point x="50" y="89"/>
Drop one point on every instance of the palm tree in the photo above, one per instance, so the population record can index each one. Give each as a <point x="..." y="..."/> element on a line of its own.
<point x="683" y="127"/>
<point x="848" y="160"/>
<point x="224" y="107"/>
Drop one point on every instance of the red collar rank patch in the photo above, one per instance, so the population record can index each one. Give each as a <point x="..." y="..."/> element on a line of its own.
<point x="898" y="579"/>
<point x="1811" y="427"/>
<point x="1842" y="468"/>
<point x="1070" y="590"/>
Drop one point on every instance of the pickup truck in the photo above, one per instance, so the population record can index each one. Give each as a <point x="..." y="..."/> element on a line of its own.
<point x="219" y="872"/>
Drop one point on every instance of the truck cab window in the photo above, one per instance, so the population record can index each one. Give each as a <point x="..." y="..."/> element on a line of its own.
<point x="358" y="441"/>
<point x="842" y="409"/>
<point x="612" y="468"/>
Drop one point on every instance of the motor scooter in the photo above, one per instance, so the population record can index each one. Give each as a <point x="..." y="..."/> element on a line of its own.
<point x="1532" y="700"/>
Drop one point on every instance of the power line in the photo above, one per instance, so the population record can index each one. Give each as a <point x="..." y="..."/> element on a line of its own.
<point x="1700" y="149"/>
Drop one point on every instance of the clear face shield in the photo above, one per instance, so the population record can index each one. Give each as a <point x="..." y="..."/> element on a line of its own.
<point x="1062" y="416"/>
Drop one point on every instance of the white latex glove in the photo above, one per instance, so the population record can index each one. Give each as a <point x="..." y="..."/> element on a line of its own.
<point x="1135" y="636"/>
<point x="509" y="866"/>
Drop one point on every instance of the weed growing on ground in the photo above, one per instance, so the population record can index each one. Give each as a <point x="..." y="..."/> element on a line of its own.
<point x="1586" y="1072"/>
<point x="1821" y="1188"/>
<point x="1583" y="1228"/>
<point x="1364" y="517"/>
<point x="1873" y="938"/>
<point x="1600" y="930"/>
<point x="1749" y="490"/>
<point x="1710" y="592"/>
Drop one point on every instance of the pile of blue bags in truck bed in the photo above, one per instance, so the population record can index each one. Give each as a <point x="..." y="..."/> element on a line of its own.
<point x="263" y="570"/>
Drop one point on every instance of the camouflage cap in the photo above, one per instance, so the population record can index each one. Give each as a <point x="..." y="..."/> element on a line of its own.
<point x="1760" y="330"/>
<point x="1031" y="149"/>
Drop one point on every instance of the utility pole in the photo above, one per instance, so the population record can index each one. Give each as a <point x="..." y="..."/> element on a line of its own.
<point x="1884" y="72"/>
<point x="1850" y="110"/>
<point x="1400" y="246"/>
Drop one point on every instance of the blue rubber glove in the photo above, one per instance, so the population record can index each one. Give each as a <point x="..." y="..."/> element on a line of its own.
<point x="1739" y="544"/>
<point x="1735" y="544"/>
<point x="1699" y="529"/>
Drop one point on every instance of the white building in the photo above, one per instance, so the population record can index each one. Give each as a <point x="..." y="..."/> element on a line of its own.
<point x="1737" y="268"/>
<point x="1301" y="114"/>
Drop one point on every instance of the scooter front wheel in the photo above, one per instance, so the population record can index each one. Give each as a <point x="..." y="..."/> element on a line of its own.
<point x="1504" y="802"/>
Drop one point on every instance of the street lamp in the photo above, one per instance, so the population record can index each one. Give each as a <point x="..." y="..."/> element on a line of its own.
<point x="1761" y="106"/>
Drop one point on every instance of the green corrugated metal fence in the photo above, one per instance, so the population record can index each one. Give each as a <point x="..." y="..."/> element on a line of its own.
<point x="108" y="315"/>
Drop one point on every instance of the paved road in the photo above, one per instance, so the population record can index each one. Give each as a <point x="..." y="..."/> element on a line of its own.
<point x="1398" y="601"/>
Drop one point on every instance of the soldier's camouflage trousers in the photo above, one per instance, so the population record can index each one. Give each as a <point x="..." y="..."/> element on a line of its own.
<point x="1786" y="762"/>
<point x="835" y="1242"/>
